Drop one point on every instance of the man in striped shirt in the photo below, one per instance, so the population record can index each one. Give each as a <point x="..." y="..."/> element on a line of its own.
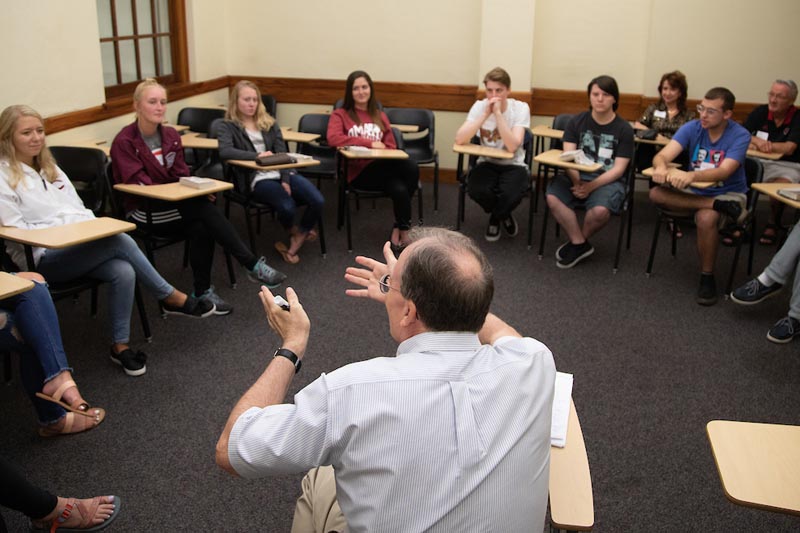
<point x="451" y="434"/>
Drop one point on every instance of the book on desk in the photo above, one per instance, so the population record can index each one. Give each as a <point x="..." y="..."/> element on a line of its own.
<point x="196" y="182"/>
<point x="792" y="193"/>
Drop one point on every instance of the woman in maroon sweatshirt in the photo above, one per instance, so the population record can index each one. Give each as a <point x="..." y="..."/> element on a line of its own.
<point x="360" y="123"/>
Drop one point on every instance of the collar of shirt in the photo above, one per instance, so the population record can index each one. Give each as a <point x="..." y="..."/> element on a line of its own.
<point x="440" y="341"/>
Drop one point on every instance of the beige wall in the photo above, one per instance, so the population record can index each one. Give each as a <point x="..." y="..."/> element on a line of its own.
<point x="543" y="43"/>
<point x="420" y="41"/>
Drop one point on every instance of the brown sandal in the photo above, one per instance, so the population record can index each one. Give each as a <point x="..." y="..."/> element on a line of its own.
<point x="87" y="513"/>
<point x="69" y="421"/>
<point x="82" y="408"/>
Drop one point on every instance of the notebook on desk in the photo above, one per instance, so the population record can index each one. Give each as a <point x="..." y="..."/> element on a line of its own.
<point x="561" y="400"/>
<point x="792" y="193"/>
<point x="196" y="182"/>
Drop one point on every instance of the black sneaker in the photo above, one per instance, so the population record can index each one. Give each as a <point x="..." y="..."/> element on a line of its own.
<point x="221" y="307"/>
<point x="193" y="307"/>
<point x="492" y="230"/>
<point x="572" y="254"/>
<point x="732" y="209"/>
<point x="560" y="249"/>
<point x="707" y="291"/>
<point x="510" y="226"/>
<point x="754" y="292"/>
<point x="784" y="330"/>
<point x="132" y="363"/>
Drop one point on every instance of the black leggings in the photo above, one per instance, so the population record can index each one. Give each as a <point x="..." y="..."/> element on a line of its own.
<point x="19" y="494"/>
<point x="398" y="179"/>
<point x="204" y="224"/>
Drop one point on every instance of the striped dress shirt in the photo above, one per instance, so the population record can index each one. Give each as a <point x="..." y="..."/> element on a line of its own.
<point x="447" y="436"/>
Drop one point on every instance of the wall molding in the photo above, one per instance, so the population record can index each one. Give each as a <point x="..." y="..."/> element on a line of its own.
<point x="438" y="97"/>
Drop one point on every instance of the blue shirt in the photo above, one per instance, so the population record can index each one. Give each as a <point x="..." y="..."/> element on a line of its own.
<point x="704" y="154"/>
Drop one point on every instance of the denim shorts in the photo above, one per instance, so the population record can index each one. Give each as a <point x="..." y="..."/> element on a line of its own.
<point x="609" y="196"/>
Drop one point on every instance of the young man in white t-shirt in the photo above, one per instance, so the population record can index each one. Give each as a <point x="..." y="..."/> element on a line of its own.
<point x="497" y="185"/>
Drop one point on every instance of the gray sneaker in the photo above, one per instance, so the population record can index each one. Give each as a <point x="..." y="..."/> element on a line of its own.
<point x="265" y="274"/>
<point x="221" y="307"/>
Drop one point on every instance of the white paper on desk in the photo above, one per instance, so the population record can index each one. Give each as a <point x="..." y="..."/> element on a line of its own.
<point x="561" y="401"/>
<point x="355" y="148"/>
<point x="298" y="157"/>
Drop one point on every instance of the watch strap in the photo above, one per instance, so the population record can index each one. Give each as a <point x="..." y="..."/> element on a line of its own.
<point x="291" y="356"/>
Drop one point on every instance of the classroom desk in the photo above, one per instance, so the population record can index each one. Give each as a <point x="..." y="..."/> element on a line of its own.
<point x="171" y="192"/>
<point x="406" y="128"/>
<point x="648" y="172"/>
<point x="551" y="158"/>
<point x="660" y="140"/>
<point x="180" y="128"/>
<point x="758" y="464"/>
<point x="97" y="144"/>
<point x="13" y="285"/>
<point x="764" y="155"/>
<point x="542" y="132"/>
<point x="66" y="235"/>
<point x="571" y="500"/>
<point x="290" y="135"/>
<point x="196" y="141"/>
<point x="771" y="190"/>
<point x="255" y="166"/>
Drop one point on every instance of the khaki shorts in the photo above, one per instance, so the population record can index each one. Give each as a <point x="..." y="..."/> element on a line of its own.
<point x="781" y="169"/>
<point x="728" y="196"/>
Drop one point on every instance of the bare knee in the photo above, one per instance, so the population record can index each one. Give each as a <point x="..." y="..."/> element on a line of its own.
<point x="707" y="219"/>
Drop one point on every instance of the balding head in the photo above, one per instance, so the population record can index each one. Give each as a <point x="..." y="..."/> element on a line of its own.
<point x="449" y="280"/>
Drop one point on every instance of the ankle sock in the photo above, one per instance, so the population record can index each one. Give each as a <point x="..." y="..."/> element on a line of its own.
<point x="765" y="280"/>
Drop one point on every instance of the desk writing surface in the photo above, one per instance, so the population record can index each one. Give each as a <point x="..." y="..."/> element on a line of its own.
<point x="194" y="140"/>
<point x="660" y="140"/>
<point x="764" y="155"/>
<point x="551" y="158"/>
<point x="648" y="172"/>
<point x="758" y="464"/>
<point x="177" y="127"/>
<point x="13" y="285"/>
<point x="482" y="151"/>
<point x="97" y="144"/>
<point x="546" y="131"/>
<point x="571" y="500"/>
<point x="172" y="192"/>
<point x="771" y="190"/>
<point x="255" y="166"/>
<point x="374" y="153"/>
<point x="68" y="234"/>
<point x="406" y="128"/>
<point x="290" y="135"/>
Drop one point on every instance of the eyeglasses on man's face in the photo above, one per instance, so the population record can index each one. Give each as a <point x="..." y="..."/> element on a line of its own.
<point x="710" y="111"/>
<point x="383" y="283"/>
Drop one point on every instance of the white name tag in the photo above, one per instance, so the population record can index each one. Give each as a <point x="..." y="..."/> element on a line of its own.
<point x="605" y="153"/>
<point x="660" y="114"/>
<point x="763" y="135"/>
<point x="706" y="166"/>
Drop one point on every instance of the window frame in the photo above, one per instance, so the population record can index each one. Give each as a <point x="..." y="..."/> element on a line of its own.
<point x="179" y="49"/>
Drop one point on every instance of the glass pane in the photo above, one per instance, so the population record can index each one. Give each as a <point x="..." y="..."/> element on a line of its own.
<point x="147" y="58"/>
<point x="143" y="19"/>
<point x="165" y="56"/>
<point x="127" y="61"/>
<point x="124" y="17"/>
<point x="109" y="68"/>
<point x="104" y="18"/>
<point x="162" y="16"/>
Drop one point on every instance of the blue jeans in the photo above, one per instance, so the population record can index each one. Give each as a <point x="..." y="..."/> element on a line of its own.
<point x="31" y="330"/>
<point x="116" y="260"/>
<point x="272" y="193"/>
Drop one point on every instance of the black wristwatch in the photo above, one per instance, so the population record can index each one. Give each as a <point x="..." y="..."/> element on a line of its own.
<point x="291" y="356"/>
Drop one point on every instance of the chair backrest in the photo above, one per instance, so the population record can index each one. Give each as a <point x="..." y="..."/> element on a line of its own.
<point x="560" y="123"/>
<point x="270" y="103"/>
<point x="317" y="123"/>
<point x="398" y="137"/>
<point x="199" y="119"/>
<point x="754" y="171"/>
<point x="212" y="167"/>
<point x="86" y="169"/>
<point x="422" y="145"/>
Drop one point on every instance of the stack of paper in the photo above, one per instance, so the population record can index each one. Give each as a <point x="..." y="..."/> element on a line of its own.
<point x="561" y="401"/>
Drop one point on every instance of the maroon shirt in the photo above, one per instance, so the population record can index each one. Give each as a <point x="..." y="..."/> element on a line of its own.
<point x="342" y="131"/>
<point x="134" y="163"/>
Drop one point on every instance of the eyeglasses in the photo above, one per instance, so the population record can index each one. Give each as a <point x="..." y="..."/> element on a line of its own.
<point x="710" y="111"/>
<point x="778" y="96"/>
<point x="383" y="283"/>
